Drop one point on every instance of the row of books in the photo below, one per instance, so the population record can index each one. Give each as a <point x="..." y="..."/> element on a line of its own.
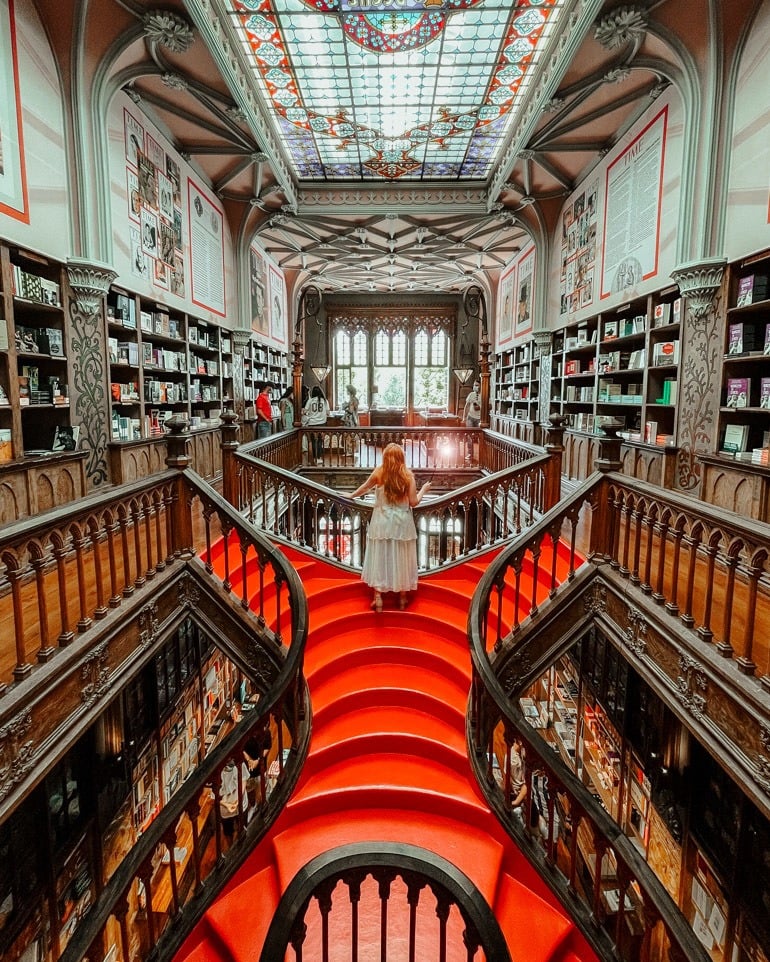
<point x="574" y="392"/>
<point x="209" y="338"/>
<point x="739" y="393"/>
<point x="159" y="322"/>
<point x="624" y="327"/>
<point x="203" y="392"/>
<point x="121" y="309"/>
<point x="32" y="287"/>
<point x="610" y="391"/>
<point x="735" y="442"/>
<point x="204" y="365"/>
<point x="591" y="423"/>
<point x="745" y="337"/>
<point x="36" y="390"/>
<point x="653" y="436"/>
<point x="39" y="340"/>
<point x="664" y="354"/>
<point x="164" y="392"/>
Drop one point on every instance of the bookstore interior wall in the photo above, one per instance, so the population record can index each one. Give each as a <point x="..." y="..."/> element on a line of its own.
<point x="747" y="213"/>
<point x="42" y="223"/>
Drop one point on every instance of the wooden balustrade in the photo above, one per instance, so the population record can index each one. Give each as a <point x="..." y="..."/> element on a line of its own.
<point x="449" y="527"/>
<point x="698" y="580"/>
<point x="190" y="849"/>
<point x="389" y="880"/>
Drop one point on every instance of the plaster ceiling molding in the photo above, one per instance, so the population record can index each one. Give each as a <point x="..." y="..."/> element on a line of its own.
<point x="616" y="76"/>
<point x="89" y="282"/>
<point x="169" y="30"/>
<point x="566" y="43"/>
<point x="174" y="81"/>
<point x="699" y="281"/>
<point x="238" y="116"/>
<point x="620" y="27"/>
<point x="554" y="105"/>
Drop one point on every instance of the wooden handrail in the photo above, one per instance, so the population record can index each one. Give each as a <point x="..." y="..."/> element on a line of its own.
<point x="640" y="539"/>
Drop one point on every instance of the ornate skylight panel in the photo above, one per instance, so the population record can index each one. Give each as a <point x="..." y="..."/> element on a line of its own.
<point x="394" y="89"/>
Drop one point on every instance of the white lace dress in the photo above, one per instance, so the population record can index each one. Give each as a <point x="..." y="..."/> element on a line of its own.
<point x="390" y="561"/>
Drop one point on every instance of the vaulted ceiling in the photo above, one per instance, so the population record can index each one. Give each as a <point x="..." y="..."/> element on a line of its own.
<point x="412" y="169"/>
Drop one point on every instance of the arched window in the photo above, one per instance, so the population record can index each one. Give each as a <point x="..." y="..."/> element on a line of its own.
<point x="393" y="359"/>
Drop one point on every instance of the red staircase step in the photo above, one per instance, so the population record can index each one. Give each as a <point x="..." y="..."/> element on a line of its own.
<point x="395" y="698"/>
<point x="388" y="719"/>
<point x="475" y="852"/>
<point x="533" y="928"/>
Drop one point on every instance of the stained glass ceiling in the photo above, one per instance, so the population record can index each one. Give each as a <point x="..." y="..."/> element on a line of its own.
<point x="404" y="90"/>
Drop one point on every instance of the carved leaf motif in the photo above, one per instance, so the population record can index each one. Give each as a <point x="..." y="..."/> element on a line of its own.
<point x="16" y="755"/>
<point x="95" y="675"/>
<point x="88" y="350"/>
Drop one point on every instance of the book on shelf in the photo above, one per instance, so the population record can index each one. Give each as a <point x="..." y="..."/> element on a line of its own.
<point x="766" y="345"/>
<point x="676" y="311"/>
<point x="662" y="315"/>
<point x="738" y="391"/>
<point x="6" y="445"/>
<point x="751" y="288"/>
<point x="665" y="352"/>
<point x="3" y="334"/>
<point x="742" y="338"/>
<point x="650" y="432"/>
<point x="670" y="390"/>
<point x="610" y="330"/>
<point x="764" y="392"/>
<point x="735" y="438"/>
<point x="66" y="437"/>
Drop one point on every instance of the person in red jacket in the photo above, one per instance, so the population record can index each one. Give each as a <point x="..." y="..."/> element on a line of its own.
<point x="264" y="413"/>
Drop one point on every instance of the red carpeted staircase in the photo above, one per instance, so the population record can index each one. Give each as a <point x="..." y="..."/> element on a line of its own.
<point x="387" y="762"/>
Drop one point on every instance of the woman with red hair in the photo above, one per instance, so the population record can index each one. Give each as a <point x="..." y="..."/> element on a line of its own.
<point x="390" y="561"/>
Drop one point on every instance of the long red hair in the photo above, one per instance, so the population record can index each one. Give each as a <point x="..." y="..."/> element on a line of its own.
<point x="396" y="476"/>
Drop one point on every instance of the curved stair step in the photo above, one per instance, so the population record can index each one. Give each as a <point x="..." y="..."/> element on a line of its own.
<point x="401" y="657"/>
<point x="386" y="719"/>
<point x="374" y="676"/>
<point x="471" y="848"/>
<point x="397" y="698"/>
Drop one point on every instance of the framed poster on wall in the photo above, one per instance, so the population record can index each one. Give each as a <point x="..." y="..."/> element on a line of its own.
<point x="13" y="173"/>
<point x="258" y="290"/>
<point x="506" y="305"/>
<point x="207" y="251"/>
<point x="277" y="306"/>
<point x="523" y="319"/>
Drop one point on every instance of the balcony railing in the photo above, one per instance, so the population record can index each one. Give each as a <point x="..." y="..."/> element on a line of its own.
<point x="102" y="584"/>
<point x="518" y="483"/>
<point x="700" y="577"/>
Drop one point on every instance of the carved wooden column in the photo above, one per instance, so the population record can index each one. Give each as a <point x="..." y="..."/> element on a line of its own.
<point x="543" y="340"/>
<point x="89" y="377"/>
<point x="241" y="339"/>
<point x="702" y="342"/>
<point x="178" y="456"/>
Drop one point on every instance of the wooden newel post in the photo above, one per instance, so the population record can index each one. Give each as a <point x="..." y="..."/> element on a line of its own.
<point x="609" y="447"/>
<point x="554" y="445"/>
<point x="229" y="429"/>
<point x="177" y="444"/>
<point x="602" y="514"/>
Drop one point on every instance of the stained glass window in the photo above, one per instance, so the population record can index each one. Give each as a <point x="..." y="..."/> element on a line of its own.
<point x="393" y="89"/>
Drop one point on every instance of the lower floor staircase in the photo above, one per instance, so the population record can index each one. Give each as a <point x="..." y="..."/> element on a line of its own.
<point x="387" y="763"/>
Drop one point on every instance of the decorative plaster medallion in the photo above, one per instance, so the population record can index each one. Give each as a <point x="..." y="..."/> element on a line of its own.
<point x="692" y="685"/>
<point x="95" y="675"/>
<point x="616" y="76"/>
<point x="236" y="114"/>
<point x="554" y="104"/>
<point x="16" y="756"/>
<point x="620" y="27"/>
<point x="169" y="30"/>
<point x="175" y="81"/>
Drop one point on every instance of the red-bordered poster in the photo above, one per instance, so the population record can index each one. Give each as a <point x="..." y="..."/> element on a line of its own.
<point x="277" y="306"/>
<point x="523" y="318"/>
<point x="13" y="173"/>
<point x="505" y="305"/>
<point x="634" y="193"/>
<point x="207" y="251"/>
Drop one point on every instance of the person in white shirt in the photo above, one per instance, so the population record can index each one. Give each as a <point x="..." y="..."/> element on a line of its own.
<point x="315" y="414"/>
<point x="472" y="414"/>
